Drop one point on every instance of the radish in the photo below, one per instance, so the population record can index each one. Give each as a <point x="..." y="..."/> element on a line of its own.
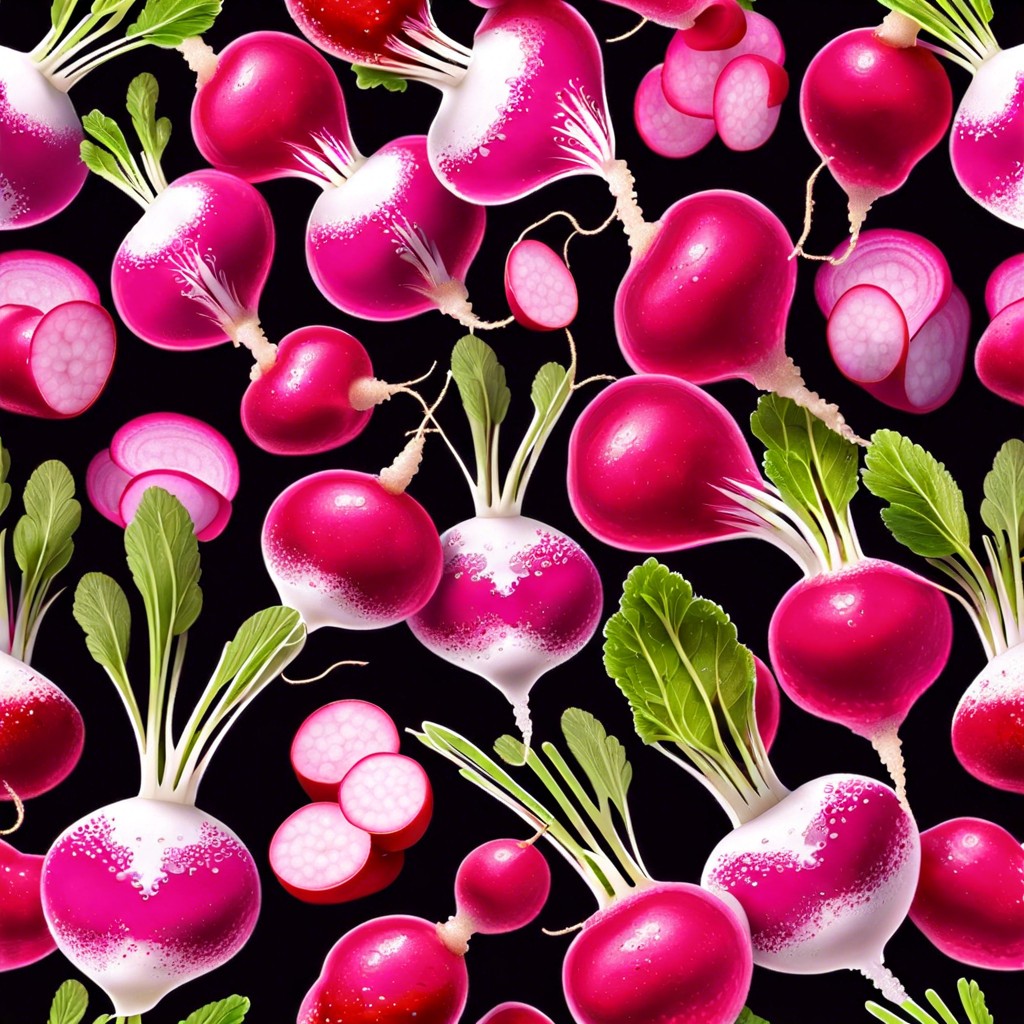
<point x="24" y="937"/>
<point x="707" y="24"/>
<point x="539" y="287"/>
<point x="926" y="514"/>
<point x="970" y="899"/>
<point x="389" y="796"/>
<point x="873" y="103"/>
<point x="514" y="1013"/>
<point x="999" y="355"/>
<point x="767" y="703"/>
<point x="668" y="131"/>
<point x="40" y="133"/>
<point x="826" y="873"/>
<point x="971" y="997"/>
<point x="150" y="891"/>
<point x="516" y="597"/>
<point x="1005" y="285"/>
<point x="654" y="951"/>
<point x="208" y="510"/>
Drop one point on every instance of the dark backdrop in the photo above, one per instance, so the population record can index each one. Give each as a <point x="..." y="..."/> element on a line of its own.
<point x="250" y="786"/>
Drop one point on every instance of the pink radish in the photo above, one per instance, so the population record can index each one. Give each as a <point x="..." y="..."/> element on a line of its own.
<point x="767" y="703"/>
<point x="208" y="510"/>
<point x="149" y="892"/>
<point x="105" y="482"/>
<point x="668" y="131"/>
<point x="320" y="857"/>
<point x="24" y="937"/>
<point x="708" y="24"/>
<point x="970" y="897"/>
<point x="748" y="100"/>
<point x="539" y="287"/>
<point x="999" y="354"/>
<point x="514" y="1013"/>
<point x="333" y="738"/>
<point x="389" y="796"/>
<point x="43" y="280"/>
<point x="1005" y="285"/>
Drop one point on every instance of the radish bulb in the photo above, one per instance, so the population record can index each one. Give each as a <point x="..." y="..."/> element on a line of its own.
<point x="149" y="892"/>
<point x="516" y="597"/>
<point x="926" y="514"/>
<point x="40" y="133"/>
<point x="826" y="873"/>
<point x="24" y="937"/>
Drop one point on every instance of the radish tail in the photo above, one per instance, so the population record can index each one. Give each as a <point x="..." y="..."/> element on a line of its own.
<point x="886" y="982"/>
<point x="19" y="810"/>
<point x="622" y="185"/>
<point x="889" y="747"/>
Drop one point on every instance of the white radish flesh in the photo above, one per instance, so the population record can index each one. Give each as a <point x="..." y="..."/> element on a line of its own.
<point x="105" y="482"/>
<point x="867" y="334"/>
<point x="29" y="277"/>
<point x="667" y="131"/>
<point x="209" y="510"/>
<point x="748" y="100"/>
<point x="935" y="361"/>
<point x="539" y="287"/>
<point x="389" y="796"/>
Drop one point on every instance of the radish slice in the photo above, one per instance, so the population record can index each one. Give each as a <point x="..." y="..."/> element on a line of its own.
<point x="539" y="287"/>
<point x="935" y="360"/>
<point x="209" y="510"/>
<point x="748" y="100"/>
<point x="1005" y="285"/>
<point x="29" y="277"/>
<point x="320" y="858"/>
<point x="906" y="265"/>
<point x="171" y="441"/>
<point x="333" y="738"/>
<point x="389" y="795"/>
<point x="719" y="26"/>
<point x="667" y="131"/>
<point x="999" y="356"/>
<point x="690" y="75"/>
<point x="867" y="334"/>
<point x="105" y="482"/>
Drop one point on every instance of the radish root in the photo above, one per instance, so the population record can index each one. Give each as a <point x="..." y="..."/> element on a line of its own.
<point x="19" y="809"/>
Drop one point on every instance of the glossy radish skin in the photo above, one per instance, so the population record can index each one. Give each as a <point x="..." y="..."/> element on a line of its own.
<point x="646" y="459"/>
<point x="672" y="952"/>
<point x="767" y="703"/>
<point x="501" y="885"/>
<point x="209" y="511"/>
<point x="30" y="277"/>
<point x="1005" y="285"/>
<point x="41" y="731"/>
<point x="677" y="308"/>
<point x="514" y="1013"/>
<point x="144" y="895"/>
<point x="388" y="971"/>
<point x="970" y="897"/>
<point x="390" y="797"/>
<point x="190" y="272"/>
<point x="40" y="135"/>
<point x="271" y="98"/>
<point x="988" y="724"/>
<point x="362" y="31"/>
<point x="345" y="552"/>
<point x="539" y="287"/>
<point x="873" y="110"/>
<point x="748" y="100"/>
<point x="999" y="355"/>
<point x="825" y="876"/>
<point x="667" y="131"/>
<point x="716" y="21"/>
<point x="24" y="937"/>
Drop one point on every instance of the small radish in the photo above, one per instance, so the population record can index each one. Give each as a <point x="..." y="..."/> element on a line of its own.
<point x="707" y="24"/>
<point x="514" y="1013"/>
<point x="43" y="280"/>
<point x="389" y="796"/>
<point x="208" y="510"/>
<point x="149" y="892"/>
<point x="667" y="131"/>
<point x="319" y="856"/>
<point x="999" y="355"/>
<point x="748" y="100"/>
<point x="24" y="937"/>
<point x="539" y="287"/>
<point x="333" y="738"/>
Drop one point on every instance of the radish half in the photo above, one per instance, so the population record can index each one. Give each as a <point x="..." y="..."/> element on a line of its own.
<point x="29" y="277"/>
<point x="748" y="101"/>
<point x="539" y="287"/>
<point x="389" y="796"/>
<point x="668" y="131"/>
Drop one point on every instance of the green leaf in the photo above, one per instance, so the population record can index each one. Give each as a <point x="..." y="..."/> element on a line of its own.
<point x="5" y="488"/>
<point x="69" y="1004"/>
<point x="974" y="1002"/>
<point x="101" y="609"/>
<point x="60" y="12"/>
<point x="926" y="507"/>
<point x="143" y="92"/>
<point x="107" y="133"/>
<point x="43" y="536"/>
<point x="601" y="756"/>
<point x="747" y="1016"/>
<point x="103" y="8"/>
<point x="368" y="77"/>
<point x="226" y="1011"/>
<point x="170" y="22"/>
<point x="747" y="5"/>
<point x="255" y="646"/>
<point x="481" y="381"/>
<point x="549" y="387"/>
<point x="1003" y="506"/>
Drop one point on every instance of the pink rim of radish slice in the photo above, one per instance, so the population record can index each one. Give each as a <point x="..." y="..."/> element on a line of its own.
<point x="867" y="334"/>
<point x="319" y="857"/>
<point x="748" y="100"/>
<point x="172" y="441"/>
<point x="209" y="510"/>
<point x="667" y="131"/>
<point x="105" y="482"/>
<point x="540" y="288"/>
<point x="689" y="75"/>
<point x="1005" y="285"/>
<point x="334" y="738"/>
<point x="514" y="1013"/>
<point x="389" y="796"/>
<point x="30" y="277"/>
<point x="720" y="26"/>
<point x="906" y="265"/>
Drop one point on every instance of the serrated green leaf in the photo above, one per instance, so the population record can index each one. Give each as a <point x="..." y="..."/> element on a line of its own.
<point x="510" y="749"/>
<point x="1003" y="506"/>
<point x="480" y="379"/>
<point x="226" y="1011"/>
<point x="974" y="1002"/>
<point x="747" y="1016"/>
<point x="101" y="609"/>
<point x="255" y="645"/>
<point x="170" y="22"/>
<point x="107" y="133"/>
<point x="601" y="756"/>
<point x="43" y="536"/>
<point x="69" y="1004"/>
<point x="100" y="162"/>
<point x="926" y="507"/>
<point x="143" y="92"/>
<point x="368" y="77"/>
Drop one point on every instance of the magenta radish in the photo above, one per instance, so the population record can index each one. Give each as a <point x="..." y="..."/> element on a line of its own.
<point x="43" y="280"/>
<point x="767" y="702"/>
<point x="748" y="100"/>
<point x="539" y="287"/>
<point x="514" y="1013"/>
<point x="150" y="891"/>
<point x="389" y="796"/>
<point x="970" y="897"/>
<point x="319" y="856"/>
<point x="516" y="597"/>
<point x="1005" y="285"/>
<point x="708" y="24"/>
<point x="24" y="937"/>
<point x="667" y="131"/>
<point x="825" y="873"/>
<point x="999" y="354"/>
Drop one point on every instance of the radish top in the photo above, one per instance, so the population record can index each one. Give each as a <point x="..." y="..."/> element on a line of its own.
<point x="971" y="997"/>
<point x="962" y="26"/>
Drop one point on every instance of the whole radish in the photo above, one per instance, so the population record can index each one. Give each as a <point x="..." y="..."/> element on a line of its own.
<point x="150" y="891"/>
<point x="24" y="936"/>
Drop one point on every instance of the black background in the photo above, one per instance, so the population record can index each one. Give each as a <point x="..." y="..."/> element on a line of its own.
<point x="250" y="786"/>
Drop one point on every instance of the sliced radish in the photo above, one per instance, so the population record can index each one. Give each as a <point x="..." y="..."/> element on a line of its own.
<point x="999" y="356"/>
<point x="319" y="857"/>
<point x="906" y="265"/>
<point x="935" y="361"/>
<point x="105" y="482"/>
<point x="539" y="287"/>
<point x="54" y="365"/>
<point x="667" y="131"/>
<point x="209" y="510"/>
<point x="722" y="24"/>
<point x="333" y="738"/>
<point x="172" y="441"/>
<point x="748" y="100"/>
<point x="389" y="795"/>
<point x="1005" y="285"/>
<point x="29" y="277"/>
<point x="867" y="334"/>
<point x="689" y="75"/>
